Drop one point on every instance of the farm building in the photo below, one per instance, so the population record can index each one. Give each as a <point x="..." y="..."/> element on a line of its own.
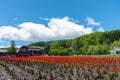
<point x="115" y="51"/>
<point x="30" y="51"/>
<point x="3" y="52"/>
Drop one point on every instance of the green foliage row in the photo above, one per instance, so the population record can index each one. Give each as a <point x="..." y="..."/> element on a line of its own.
<point x="98" y="43"/>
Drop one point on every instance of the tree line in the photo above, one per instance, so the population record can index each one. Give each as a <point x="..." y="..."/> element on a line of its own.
<point x="97" y="43"/>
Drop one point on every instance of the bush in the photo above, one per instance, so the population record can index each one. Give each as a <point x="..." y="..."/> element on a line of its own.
<point x="60" y="51"/>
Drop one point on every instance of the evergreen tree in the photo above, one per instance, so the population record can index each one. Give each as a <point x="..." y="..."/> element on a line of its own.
<point x="46" y="48"/>
<point x="12" y="48"/>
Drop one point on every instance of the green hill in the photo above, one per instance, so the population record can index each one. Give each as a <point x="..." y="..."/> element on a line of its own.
<point x="91" y="44"/>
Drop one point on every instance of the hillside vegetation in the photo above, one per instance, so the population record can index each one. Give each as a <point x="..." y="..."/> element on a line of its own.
<point x="97" y="43"/>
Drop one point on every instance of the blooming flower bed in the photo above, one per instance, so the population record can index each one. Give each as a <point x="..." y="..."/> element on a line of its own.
<point x="61" y="68"/>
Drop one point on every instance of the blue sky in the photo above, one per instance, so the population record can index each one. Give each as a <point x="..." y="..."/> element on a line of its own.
<point x="27" y="21"/>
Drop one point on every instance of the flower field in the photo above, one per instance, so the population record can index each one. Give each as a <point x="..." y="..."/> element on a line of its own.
<point x="59" y="68"/>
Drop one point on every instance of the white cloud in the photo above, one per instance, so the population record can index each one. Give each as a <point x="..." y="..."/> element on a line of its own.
<point x="92" y="22"/>
<point x="64" y="28"/>
<point x="3" y="47"/>
<point x="101" y="29"/>
<point x="58" y="28"/>
<point x="9" y="46"/>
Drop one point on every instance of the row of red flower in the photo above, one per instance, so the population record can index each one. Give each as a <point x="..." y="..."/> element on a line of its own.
<point x="89" y="62"/>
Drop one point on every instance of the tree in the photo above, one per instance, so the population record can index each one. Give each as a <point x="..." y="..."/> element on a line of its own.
<point x="68" y="43"/>
<point x="115" y="44"/>
<point x="46" y="48"/>
<point x="59" y="51"/>
<point x="75" y="45"/>
<point x="55" y="44"/>
<point x="91" y="44"/>
<point x="98" y="49"/>
<point x="12" y="48"/>
<point x="41" y="43"/>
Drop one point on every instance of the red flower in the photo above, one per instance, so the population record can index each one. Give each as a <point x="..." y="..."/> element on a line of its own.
<point x="97" y="68"/>
<point x="113" y="69"/>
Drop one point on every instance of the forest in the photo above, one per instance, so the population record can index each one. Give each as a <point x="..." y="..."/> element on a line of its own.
<point x="97" y="43"/>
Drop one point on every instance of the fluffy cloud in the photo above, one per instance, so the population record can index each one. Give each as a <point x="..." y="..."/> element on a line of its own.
<point x="58" y="28"/>
<point x="64" y="28"/>
<point x="92" y="22"/>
